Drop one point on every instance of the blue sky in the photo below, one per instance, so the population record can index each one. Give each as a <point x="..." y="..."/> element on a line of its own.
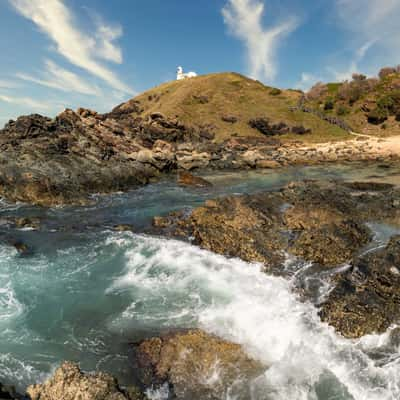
<point x="98" y="53"/>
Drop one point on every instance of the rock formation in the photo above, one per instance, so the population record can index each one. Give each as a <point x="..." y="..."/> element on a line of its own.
<point x="196" y="365"/>
<point x="69" y="383"/>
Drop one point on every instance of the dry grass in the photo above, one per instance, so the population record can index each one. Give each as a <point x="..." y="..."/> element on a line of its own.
<point x="206" y="99"/>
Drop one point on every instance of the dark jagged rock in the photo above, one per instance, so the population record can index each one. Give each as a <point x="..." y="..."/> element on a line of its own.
<point x="187" y="361"/>
<point x="366" y="299"/>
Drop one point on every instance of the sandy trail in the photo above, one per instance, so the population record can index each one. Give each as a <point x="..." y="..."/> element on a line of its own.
<point x="369" y="145"/>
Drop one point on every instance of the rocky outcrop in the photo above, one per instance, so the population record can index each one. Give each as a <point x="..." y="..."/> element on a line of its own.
<point x="63" y="160"/>
<point x="322" y="222"/>
<point x="69" y="383"/>
<point x="366" y="298"/>
<point x="196" y="365"/>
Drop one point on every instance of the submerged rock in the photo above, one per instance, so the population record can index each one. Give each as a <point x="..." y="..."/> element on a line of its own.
<point x="196" y="365"/>
<point x="69" y="383"/>
<point x="187" y="179"/>
<point x="366" y="299"/>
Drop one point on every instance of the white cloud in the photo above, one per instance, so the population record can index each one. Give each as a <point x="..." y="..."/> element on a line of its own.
<point x="360" y="54"/>
<point x="26" y="102"/>
<point x="61" y="79"/>
<point x="83" y="50"/>
<point x="307" y="81"/>
<point x="7" y="84"/>
<point x="244" y="18"/>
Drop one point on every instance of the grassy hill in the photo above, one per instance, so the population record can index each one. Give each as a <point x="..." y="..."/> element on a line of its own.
<point x="228" y="101"/>
<point x="369" y="105"/>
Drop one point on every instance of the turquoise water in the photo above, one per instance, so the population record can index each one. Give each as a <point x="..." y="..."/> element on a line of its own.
<point x="84" y="292"/>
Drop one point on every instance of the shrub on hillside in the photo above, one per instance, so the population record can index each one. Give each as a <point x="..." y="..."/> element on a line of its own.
<point x="342" y="110"/>
<point x="377" y="116"/>
<point x="275" y="92"/>
<point x="386" y="71"/>
<point x="318" y="91"/>
<point x="329" y="104"/>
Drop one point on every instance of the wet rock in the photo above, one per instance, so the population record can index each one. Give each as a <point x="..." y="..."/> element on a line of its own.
<point x="366" y="298"/>
<point x="321" y="222"/>
<point x="187" y="179"/>
<point x="27" y="222"/>
<point x="268" y="164"/>
<point x="369" y="186"/>
<point x="124" y="228"/>
<point x="69" y="383"/>
<point x="21" y="247"/>
<point x="325" y="235"/>
<point x="196" y="365"/>
<point x="241" y="226"/>
<point x="9" y="393"/>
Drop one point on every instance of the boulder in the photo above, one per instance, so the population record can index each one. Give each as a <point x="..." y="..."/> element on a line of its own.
<point x="70" y="383"/>
<point x="196" y="365"/>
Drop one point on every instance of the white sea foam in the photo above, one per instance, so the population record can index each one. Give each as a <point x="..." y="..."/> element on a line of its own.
<point x="238" y="302"/>
<point x="10" y="307"/>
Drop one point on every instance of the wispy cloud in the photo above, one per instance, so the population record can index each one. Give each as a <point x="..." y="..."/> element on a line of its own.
<point x="81" y="49"/>
<point x="245" y="20"/>
<point x="375" y="21"/>
<point x="26" y="102"/>
<point x="61" y="79"/>
<point x="353" y="67"/>
<point x="307" y="81"/>
<point x="8" y="84"/>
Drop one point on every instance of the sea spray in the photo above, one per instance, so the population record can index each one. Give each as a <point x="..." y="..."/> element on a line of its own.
<point x="238" y="302"/>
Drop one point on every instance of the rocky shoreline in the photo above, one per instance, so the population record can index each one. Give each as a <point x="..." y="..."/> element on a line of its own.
<point x="60" y="161"/>
<point x="325" y="223"/>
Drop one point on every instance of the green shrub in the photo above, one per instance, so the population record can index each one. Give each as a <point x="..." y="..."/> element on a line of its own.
<point x="342" y="110"/>
<point x="275" y="92"/>
<point x="386" y="103"/>
<point x="377" y="116"/>
<point x="329" y="104"/>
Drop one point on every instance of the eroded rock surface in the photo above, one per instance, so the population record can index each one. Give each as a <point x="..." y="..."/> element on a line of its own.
<point x="197" y="365"/>
<point x="69" y="383"/>
<point x="187" y="179"/>
<point x="322" y="222"/>
<point x="366" y="298"/>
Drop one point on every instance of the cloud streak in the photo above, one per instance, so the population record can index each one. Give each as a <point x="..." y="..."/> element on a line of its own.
<point x="25" y="102"/>
<point x="372" y="21"/>
<point x="244" y="19"/>
<point x="54" y="19"/>
<point x="61" y="79"/>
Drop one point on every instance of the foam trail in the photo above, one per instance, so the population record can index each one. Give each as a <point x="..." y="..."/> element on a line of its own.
<point x="306" y="360"/>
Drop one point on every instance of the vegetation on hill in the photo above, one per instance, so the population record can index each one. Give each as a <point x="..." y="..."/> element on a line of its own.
<point x="227" y="104"/>
<point x="368" y="105"/>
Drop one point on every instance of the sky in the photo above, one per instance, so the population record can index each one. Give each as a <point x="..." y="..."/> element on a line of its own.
<point x="58" y="54"/>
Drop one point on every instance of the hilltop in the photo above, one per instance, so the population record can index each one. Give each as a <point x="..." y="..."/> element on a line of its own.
<point x="215" y="122"/>
<point x="225" y="103"/>
<point x="368" y="105"/>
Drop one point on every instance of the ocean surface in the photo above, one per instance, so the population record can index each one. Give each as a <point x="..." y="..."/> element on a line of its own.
<point x="85" y="292"/>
